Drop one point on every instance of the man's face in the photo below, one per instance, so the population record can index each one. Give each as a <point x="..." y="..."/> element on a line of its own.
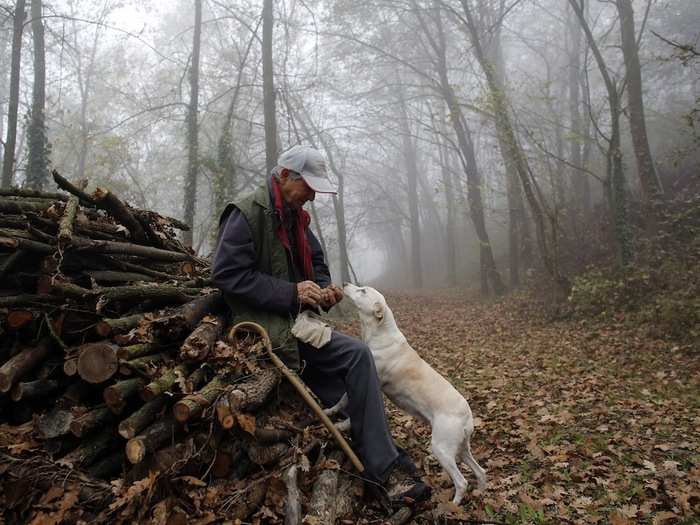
<point x="295" y="192"/>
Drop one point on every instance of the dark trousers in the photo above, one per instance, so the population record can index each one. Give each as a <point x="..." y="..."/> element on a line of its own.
<point x="345" y="364"/>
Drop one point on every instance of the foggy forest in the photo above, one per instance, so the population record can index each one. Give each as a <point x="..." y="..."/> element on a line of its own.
<point x="520" y="179"/>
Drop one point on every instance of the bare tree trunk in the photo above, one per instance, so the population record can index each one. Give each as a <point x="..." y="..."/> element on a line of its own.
<point x="192" y="129"/>
<point x="450" y="227"/>
<point x="271" y="146"/>
<point x="37" y="166"/>
<point x="648" y="178"/>
<point x="411" y="164"/>
<point x="13" y="105"/>
<point x="616" y="176"/>
<point x="512" y="151"/>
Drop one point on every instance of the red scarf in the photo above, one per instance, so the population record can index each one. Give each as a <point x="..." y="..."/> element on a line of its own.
<point x="303" y="256"/>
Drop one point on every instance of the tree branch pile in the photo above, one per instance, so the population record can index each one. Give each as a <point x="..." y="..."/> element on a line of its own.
<point x="122" y="399"/>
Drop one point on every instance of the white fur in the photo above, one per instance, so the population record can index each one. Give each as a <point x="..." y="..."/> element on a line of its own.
<point x="416" y="388"/>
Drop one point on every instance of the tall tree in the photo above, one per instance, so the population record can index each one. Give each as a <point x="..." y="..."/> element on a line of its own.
<point x="648" y="178"/>
<point x="13" y="105"/>
<point x="271" y="146"/>
<point x="193" y="128"/>
<point x="37" y="164"/>
<point x="615" y="182"/>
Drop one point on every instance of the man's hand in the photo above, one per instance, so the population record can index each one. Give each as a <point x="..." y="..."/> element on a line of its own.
<point x="309" y="293"/>
<point x="331" y="296"/>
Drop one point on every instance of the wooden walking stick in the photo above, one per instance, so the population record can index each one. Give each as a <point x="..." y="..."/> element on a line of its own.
<point x="300" y="387"/>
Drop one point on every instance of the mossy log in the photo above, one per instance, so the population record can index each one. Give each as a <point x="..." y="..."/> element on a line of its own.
<point x="33" y="389"/>
<point x="116" y="395"/>
<point x="140" y="419"/>
<point x="191" y="407"/>
<point x="199" y="344"/>
<point x="163" y="383"/>
<point x="150" y="439"/>
<point x="89" y="421"/>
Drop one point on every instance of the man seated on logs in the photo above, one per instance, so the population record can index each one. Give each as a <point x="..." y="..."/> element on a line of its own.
<point x="271" y="267"/>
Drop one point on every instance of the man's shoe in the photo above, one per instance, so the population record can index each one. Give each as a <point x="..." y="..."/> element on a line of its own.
<point x="403" y="485"/>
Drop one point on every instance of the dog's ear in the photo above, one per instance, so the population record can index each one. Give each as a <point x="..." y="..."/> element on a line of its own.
<point x="378" y="309"/>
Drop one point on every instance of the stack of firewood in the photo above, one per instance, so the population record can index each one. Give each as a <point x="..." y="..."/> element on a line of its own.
<point x="118" y="378"/>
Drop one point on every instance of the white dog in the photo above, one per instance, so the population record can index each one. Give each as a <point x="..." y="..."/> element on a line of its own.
<point x="415" y="387"/>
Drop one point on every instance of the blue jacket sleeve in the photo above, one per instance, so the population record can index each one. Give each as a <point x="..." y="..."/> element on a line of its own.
<point x="234" y="271"/>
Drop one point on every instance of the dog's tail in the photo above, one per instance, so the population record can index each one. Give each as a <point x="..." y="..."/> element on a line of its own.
<point x="468" y="458"/>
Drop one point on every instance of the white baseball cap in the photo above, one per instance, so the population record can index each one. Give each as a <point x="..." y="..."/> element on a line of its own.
<point x="310" y="164"/>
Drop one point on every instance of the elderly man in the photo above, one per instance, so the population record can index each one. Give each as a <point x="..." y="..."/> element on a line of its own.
<point x="271" y="267"/>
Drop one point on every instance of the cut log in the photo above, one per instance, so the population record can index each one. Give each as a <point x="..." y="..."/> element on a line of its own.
<point x="23" y="192"/>
<point x="85" y="245"/>
<point x="107" y="326"/>
<point x="36" y="300"/>
<point x="15" y="243"/>
<point x="127" y="353"/>
<point x="181" y="321"/>
<point x="33" y="389"/>
<point x="16" y="319"/>
<point x="108" y="467"/>
<point x="110" y="276"/>
<point x="201" y="341"/>
<point x="55" y="423"/>
<point x="116" y="395"/>
<point x="65" y="227"/>
<point x="90" y="449"/>
<point x="144" y="366"/>
<point x="322" y="507"/>
<point x="11" y="262"/>
<point x="143" y="417"/>
<point x="86" y="423"/>
<point x="267" y="455"/>
<point x="156" y="294"/>
<point x="150" y="439"/>
<point x="70" y="366"/>
<point x="66" y="185"/>
<point x="13" y="370"/>
<point x="292" y="505"/>
<point x="191" y="407"/>
<point x="97" y="362"/>
<point x="109" y="202"/>
<point x="251" y="394"/>
<point x="17" y="207"/>
<point x="269" y="436"/>
<point x="164" y="383"/>
<point x="401" y="516"/>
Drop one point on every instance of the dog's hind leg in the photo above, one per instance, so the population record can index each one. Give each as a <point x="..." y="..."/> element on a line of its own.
<point x="446" y="443"/>
<point x="468" y="458"/>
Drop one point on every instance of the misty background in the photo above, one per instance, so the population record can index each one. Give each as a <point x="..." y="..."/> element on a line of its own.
<point x="473" y="142"/>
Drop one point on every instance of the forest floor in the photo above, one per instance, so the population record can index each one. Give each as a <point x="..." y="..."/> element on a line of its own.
<point x="576" y="421"/>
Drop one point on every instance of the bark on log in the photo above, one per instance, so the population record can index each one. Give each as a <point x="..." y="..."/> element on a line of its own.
<point x="322" y="505"/>
<point x="269" y="436"/>
<point x="110" y="276"/>
<point x="66" y="185"/>
<point x="11" y="262"/>
<point x="266" y="455"/>
<point x="163" y="383"/>
<point x="150" y="439"/>
<point x="192" y="406"/>
<point x="401" y="516"/>
<point x="65" y="227"/>
<point x="115" y="396"/>
<point x="55" y="423"/>
<point x="127" y="353"/>
<point x="201" y="341"/>
<point x="39" y="300"/>
<point x="33" y="389"/>
<point x="141" y="365"/>
<point x="292" y="505"/>
<point x="16" y="243"/>
<point x="140" y="419"/>
<point x="160" y="294"/>
<point x="120" y="211"/>
<point x="91" y="449"/>
<point x="84" y="245"/>
<point x="96" y="418"/>
<point x="250" y="395"/>
<point x="23" y="192"/>
<point x="108" y="467"/>
<point x="183" y="320"/>
<point x="13" y="370"/>
<point x="15" y="207"/>
<point x="97" y="362"/>
<point x="107" y="326"/>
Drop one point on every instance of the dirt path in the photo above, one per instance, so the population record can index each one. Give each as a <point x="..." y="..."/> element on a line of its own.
<point x="576" y="422"/>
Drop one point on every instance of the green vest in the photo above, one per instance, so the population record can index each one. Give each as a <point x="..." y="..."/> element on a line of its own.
<point x="272" y="260"/>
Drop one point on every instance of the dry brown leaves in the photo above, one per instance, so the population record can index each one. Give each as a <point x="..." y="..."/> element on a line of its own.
<point x="575" y="422"/>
